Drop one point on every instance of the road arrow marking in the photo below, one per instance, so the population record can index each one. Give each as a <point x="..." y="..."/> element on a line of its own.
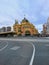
<point x="15" y="48"/>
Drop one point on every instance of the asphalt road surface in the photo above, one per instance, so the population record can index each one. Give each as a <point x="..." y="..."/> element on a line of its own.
<point x="25" y="51"/>
<point x="15" y="53"/>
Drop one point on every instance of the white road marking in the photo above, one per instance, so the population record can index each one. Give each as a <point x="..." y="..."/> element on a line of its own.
<point x="15" y="48"/>
<point x="39" y="40"/>
<point x="3" y="47"/>
<point x="32" y="58"/>
<point x="47" y="45"/>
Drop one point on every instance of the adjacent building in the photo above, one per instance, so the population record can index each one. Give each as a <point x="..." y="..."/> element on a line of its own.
<point x="47" y="30"/>
<point x="8" y="28"/>
<point x="46" y="27"/>
<point x="5" y="29"/>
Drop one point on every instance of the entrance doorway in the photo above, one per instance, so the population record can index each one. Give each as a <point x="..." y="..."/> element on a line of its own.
<point x="27" y="33"/>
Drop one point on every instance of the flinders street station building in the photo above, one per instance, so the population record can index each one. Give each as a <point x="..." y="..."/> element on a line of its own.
<point x="24" y="28"/>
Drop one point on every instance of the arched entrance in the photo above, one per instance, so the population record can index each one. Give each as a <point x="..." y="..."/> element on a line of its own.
<point x="27" y="33"/>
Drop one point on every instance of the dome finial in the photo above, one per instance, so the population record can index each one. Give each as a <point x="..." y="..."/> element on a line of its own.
<point x="24" y="16"/>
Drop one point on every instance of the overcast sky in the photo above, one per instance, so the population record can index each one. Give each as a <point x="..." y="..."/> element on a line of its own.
<point x="36" y="11"/>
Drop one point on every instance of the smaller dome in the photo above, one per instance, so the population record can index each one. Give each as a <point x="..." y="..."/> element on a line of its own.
<point x="24" y="20"/>
<point x="16" y="22"/>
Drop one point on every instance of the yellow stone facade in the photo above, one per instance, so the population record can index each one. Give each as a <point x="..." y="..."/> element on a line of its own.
<point x="25" y="28"/>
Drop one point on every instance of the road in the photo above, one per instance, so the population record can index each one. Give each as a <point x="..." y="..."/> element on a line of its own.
<point x="42" y="53"/>
<point x="25" y="51"/>
<point x="15" y="53"/>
